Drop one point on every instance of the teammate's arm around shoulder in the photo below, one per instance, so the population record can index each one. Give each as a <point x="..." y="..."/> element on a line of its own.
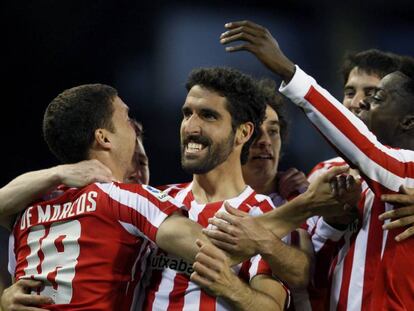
<point x="26" y="188"/>
<point x="178" y="235"/>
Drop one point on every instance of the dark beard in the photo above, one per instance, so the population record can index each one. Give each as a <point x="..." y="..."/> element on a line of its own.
<point x="216" y="154"/>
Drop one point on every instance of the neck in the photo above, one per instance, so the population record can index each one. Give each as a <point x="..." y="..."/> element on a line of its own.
<point x="261" y="187"/>
<point x="118" y="172"/>
<point x="223" y="182"/>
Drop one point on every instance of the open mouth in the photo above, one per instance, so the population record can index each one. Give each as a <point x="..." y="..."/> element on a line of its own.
<point x="262" y="157"/>
<point x="194" y="148"/>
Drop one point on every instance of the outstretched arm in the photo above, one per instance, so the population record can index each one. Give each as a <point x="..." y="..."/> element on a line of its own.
<point x="23" y="190"/>
<point x="384" y="168"/>
<point x="249" y="237"/>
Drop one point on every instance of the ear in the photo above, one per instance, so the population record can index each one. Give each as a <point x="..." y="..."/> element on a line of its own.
<point x="244" y="132"/>
<point x="102" y="139"/>
<point x="407" y="123"/>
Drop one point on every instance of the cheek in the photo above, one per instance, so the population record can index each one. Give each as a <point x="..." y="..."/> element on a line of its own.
<point x="276" y="145"/>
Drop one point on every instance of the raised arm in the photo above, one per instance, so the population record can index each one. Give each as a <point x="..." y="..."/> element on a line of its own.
<point x="384" y="168"/>
<point x="23" y="190"/>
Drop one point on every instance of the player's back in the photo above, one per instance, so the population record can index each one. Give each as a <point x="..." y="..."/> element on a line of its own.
<point x="87" y="245"/>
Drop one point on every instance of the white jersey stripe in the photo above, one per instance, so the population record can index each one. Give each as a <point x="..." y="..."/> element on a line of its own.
<point x="135" y="201"/>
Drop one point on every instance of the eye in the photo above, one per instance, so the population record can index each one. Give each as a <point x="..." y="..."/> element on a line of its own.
<point x="209" y="115"/>
<point x="273" y="132"/>
<point x="349" y="93"/>
<point x="186" y="113"/>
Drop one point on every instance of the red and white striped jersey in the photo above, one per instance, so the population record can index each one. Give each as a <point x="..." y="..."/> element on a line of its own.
<point x="357" y="267"/>
<point x="169" y="285"/>
<point x="88" y="245"/>
<point x="300" y="298"/>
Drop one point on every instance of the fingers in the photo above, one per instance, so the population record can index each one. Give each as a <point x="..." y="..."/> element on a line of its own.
<point x="222" y="225"/>
<point x="402" y="199"/>
<point x="246" y="23"/>
<point x="350" y="182"/>
<point x="404" y="190"/>
<point x="397" y="213"/>
<point x="241" y="47"/>
<point x="220" y="235"/>
<point x="230" y="219"/>
<point x="200" y="280"/>
<point x="28" y="285"/>
<point x="406" y="234"/>
<point x="32" y="300"/>
<point x="242" y="29"/>
<point x="334" y="171"/>
<point x="227" y="247"/>
<point x="212" y="251"/>
<point x="234" y="211"/>
<point x="399" y="223"/>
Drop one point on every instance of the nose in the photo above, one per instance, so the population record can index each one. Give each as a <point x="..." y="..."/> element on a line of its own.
<point x="356" y="103"/>
<point x="365" y="104"/>
<point x="192" y="125"/>
<point x="264" y="139"/>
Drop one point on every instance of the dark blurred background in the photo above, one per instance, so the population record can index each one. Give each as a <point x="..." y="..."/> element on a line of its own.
<point x="146" y="50"/>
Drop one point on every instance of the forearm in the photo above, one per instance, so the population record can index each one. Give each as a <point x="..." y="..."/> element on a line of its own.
<point x="286" y="218"/>
<point x="23" y="190"/>
<point x="288" y="263"/>
<point x="177" y="235"/>
<point x="243" y="297"/>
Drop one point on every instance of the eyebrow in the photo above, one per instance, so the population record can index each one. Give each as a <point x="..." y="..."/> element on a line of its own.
<point x="273" y="122"/>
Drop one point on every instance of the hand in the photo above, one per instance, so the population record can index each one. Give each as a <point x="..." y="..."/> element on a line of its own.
<point x="83" y="173"/>
<point x="259" y="41"/>
<point x="238" y="233"/>
<point x="401" y="216"/>
<point x="291" y="183"/>
<point x="18" y="297"/>
<point x="340" y="185"/>
<point x="212" y="271"/>
<point x="332" y="194"/>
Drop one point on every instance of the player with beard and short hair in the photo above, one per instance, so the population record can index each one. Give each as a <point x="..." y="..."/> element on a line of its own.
<point x="221" y="115"/>
<point x="378" y="275"/>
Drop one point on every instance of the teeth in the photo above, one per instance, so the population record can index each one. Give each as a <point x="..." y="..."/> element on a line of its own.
<point x="193" y="147"/>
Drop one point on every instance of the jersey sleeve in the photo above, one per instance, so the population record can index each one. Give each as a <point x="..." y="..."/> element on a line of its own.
<point x="140" y="209"/>
<point x="384" y="168"/>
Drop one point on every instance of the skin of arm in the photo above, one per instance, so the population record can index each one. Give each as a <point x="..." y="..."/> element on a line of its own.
<point x="320" y="199"/>
<point x="23" y="190"/>
<point x="178" y="235"/>
<point x="212" y="272"/>
<point x="290" y="264"/>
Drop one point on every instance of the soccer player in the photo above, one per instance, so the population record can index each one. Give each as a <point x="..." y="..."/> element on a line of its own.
<point x="381" y="276"/>
<point x="87" y="245"/>
<point x="221" y="115"/>
<point x="362" y="73"/>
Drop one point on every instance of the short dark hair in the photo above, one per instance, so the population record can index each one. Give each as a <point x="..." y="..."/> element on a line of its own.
<point x="71" y="119"/>
<point x="371" y="61"/>
<point x="244" y="101"/>
<point x="276" y="101"/>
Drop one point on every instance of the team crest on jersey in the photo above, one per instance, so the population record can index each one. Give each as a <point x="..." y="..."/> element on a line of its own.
<point x="160" y="195"/>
